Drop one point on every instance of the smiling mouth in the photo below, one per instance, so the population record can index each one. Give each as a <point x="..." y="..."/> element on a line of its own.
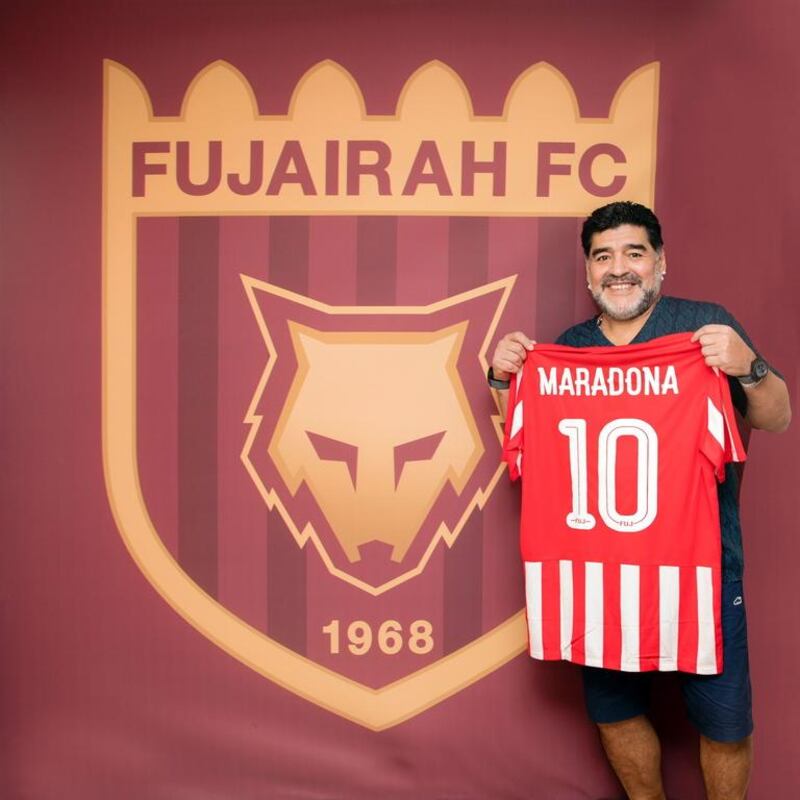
<point x="621" y="283"/>
<point x="620" y="286"/>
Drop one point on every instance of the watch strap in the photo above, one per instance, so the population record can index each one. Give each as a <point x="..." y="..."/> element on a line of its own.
<point x="496" y="383"/>
<point x="758" y="371"/>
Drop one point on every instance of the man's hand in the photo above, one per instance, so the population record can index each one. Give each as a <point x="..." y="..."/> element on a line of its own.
<point x="722" y="347"/>
<point x="768" y="404"/>
<point x="510" y="354"/>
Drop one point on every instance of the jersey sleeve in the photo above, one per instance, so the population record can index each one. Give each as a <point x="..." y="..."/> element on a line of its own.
<point x="721" y="442"/>
<point x="514" y="440"/>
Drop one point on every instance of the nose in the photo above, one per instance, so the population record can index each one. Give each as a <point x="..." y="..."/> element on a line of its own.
<point x="618" y="266"/>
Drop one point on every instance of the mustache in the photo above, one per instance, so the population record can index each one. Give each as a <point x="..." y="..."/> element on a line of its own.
<point x="628" y="277"/>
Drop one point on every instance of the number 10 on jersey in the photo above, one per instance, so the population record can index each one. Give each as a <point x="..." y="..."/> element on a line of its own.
<point x="646" y="476"/>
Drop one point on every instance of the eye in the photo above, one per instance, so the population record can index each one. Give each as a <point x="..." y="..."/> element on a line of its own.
<point x="634" y="254"/>
<point x="333" y="450"/>
<point x="416" y="450"/>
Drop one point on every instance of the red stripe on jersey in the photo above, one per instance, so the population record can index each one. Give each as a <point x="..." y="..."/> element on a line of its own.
<point x="735" y="447"/>
<point x="551" y="610"/>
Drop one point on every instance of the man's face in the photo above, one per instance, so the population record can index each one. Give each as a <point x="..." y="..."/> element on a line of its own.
<point x="624" y="271"/>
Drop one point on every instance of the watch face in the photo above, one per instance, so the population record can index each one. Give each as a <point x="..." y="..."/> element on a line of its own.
<point x="760" y="368"/>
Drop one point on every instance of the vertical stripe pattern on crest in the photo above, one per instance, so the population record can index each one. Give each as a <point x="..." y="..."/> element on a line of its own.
<point x="456" y="255"/>
<point x="376" y="261"/>
<point x="463" y="563"/>
<point x="198" y="253"/>
<point x="556" y="275"/>
<point x="286" y="562"/>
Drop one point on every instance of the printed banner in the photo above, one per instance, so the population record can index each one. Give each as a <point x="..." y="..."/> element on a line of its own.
<point x="300" y="448"/>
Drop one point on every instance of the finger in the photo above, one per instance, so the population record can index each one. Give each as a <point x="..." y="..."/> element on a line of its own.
<point x="504" y="365"/>
<point x="516" y="354"/>
<point x="711" y="339"/>
<point x="711" y="350"/>
<point x="718" y="360"/>
<point x="707" y="330"/>
<point x="521" y="338"/>
<point x="714" y="328"/>
<point x="514" y="348"/>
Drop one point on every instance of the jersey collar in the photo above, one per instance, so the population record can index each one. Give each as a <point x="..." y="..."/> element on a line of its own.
<point x="647" y="332"/>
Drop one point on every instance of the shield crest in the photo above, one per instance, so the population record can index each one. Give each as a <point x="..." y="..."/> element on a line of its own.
<point x="300" y="449"/>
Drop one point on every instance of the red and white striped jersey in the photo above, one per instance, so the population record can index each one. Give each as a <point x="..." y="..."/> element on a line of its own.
<point x="619" y="449"/>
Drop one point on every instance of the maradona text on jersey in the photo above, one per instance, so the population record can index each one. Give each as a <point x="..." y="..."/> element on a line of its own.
<point x="609" y="382"/>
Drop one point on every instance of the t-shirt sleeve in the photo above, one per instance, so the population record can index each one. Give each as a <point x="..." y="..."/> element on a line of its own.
<point x="723" y="317"/>
<point x="514" y="441"/>
<point x="721" y="442"/>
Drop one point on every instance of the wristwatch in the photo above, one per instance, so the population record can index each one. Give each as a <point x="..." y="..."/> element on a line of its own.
<point x="495" y="383"/>
<point x="758" y="371"/>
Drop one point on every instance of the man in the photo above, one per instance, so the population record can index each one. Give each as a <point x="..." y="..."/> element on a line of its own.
<point x="625" y="267"/>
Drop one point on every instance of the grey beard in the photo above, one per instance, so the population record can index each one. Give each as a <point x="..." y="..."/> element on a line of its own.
<point x="649" y="297"/>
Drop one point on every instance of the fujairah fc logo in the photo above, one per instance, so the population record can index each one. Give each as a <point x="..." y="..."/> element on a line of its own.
<point x="300" y="449"/>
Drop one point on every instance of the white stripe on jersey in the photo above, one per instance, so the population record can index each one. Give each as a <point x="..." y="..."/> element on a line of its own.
<point x="669" y="590"/>
<point x="517" y="420"/>
<point x="629" y="616"/>
<point x="533" y="596"/>
<point x="594" y="614"/>
<point x="716" y="424"/>
<point x="567" y="597"/>
<point x="706" y="631"/>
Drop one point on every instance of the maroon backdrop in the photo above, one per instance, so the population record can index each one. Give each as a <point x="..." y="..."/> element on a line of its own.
<point x="106" y="692"/>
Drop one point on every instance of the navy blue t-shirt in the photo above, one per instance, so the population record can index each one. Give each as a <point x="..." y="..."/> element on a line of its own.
<point x="673" y="315"/>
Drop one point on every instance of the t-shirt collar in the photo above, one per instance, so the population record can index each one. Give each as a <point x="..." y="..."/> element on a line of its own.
<point x="644" y="335"/>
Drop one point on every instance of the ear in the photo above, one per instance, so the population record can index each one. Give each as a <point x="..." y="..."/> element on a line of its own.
<point x="662" y="258"/>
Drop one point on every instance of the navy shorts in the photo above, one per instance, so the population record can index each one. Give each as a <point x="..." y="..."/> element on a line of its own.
<point x="719" y="706"/>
